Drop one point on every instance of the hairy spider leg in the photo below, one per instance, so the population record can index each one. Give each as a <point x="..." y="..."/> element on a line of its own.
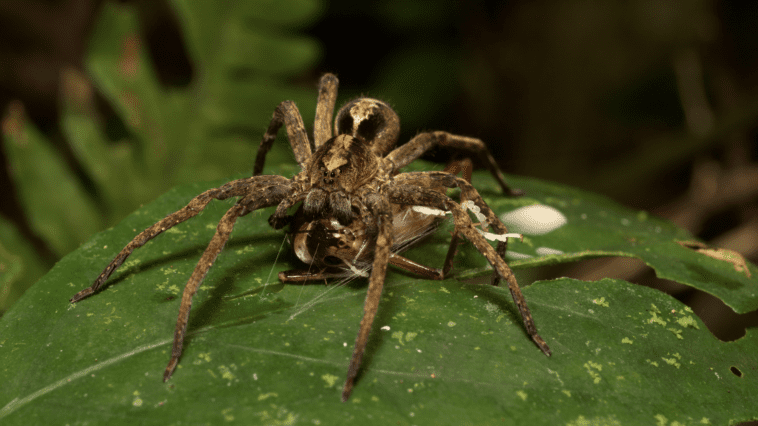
<point x="286" y="113"/>
<point x="422" y="196"/>
<point x="454" y="167"/>
<point x="223" y="231"/>
<point x="251" y="202"/>
<point x="327" y="97"/>
<point x="380" y="209"/>
<point x="422" y="142"/>
<point x="235" y="188"/>
<point x="468" y="193"/>
<point x="464" y="167"/>
<point x="413" y="149"/>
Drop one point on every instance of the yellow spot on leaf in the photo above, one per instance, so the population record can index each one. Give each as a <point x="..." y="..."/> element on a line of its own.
<point x="671" y="361"/>
<point x="227" y="414"/>
<point x="594" y="421"/>
<point x="661" y="419"/>
<point x="263" y="396"/>
<point x="591" y="367"/>
<point x="226" y="373"/>
<point x="601" y="302"/>
<point x="688" y="321"/>
<point x="330" y="379"/>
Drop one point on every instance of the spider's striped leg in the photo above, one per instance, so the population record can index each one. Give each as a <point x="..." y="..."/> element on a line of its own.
<point x="193" y="208"/>
<point x="285" y="114"/>
<point x="381" y="210"/>
<point x="468" y="193"/>
<point x="464" y="167"/>
<point x="217" y="243"/>
<point x="251" y="202"/>
<point x="405" y="194"/>
<point x="327" y="97"/>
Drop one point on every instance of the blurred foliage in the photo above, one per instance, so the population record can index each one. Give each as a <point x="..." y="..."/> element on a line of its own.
<point x="246" y="56"/>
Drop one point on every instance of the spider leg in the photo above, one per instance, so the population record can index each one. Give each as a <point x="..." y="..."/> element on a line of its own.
<point x="288" y="114"/>
<point x="193" y="208"/>
<point x="407" y="194"/>
<point x="464" y="167"/>
<point x="303" y="276"/>
<point x="380" y="208"/>
<point x="251" y="202"/>
<point x="416" y="268"/>
<point x="468" y="193"/>
<point x="412" y="150"/>
<point x="327" y="97"/>
<point x="223" y="231"/>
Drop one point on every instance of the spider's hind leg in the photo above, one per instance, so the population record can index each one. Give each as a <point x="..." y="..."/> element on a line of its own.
<point x="402" y="193"/>
<point x="413" y="149"/>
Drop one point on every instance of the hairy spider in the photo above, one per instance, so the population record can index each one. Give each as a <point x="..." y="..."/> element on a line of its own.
<point x="352" y="199"/>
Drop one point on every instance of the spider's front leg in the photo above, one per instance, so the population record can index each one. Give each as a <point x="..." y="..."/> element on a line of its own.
<point x="411" y="194"/>
<point x="193" y="208"/>
<point x="257" y="192"/>
<point x="380" y="209"/>
<point x="287" y="114"/>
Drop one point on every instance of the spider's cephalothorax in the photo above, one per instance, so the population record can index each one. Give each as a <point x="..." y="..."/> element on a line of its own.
<point x="356" y="208"/>
<point x="340" y="167"/>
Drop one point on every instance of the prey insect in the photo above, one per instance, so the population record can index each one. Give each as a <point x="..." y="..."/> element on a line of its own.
<point x="332" y="250"/>
<point x="349" y="181"/>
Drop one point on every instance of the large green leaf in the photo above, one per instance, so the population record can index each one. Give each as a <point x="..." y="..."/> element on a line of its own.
<point x="260" y="352"/>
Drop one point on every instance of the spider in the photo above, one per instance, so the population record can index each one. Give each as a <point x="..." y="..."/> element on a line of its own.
<point x="348" y="182"/>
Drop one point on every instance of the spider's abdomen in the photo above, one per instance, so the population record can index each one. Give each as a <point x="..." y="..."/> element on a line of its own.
<point x="370" y="120"/>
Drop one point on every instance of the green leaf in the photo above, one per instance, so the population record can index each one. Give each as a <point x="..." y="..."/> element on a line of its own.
<point x="261" y="352"/>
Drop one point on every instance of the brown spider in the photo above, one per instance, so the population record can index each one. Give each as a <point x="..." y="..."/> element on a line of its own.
<point x="352" y="199"/>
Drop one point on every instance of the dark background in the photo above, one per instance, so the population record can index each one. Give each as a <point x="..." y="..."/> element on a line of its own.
<point x="652" y="103"/>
